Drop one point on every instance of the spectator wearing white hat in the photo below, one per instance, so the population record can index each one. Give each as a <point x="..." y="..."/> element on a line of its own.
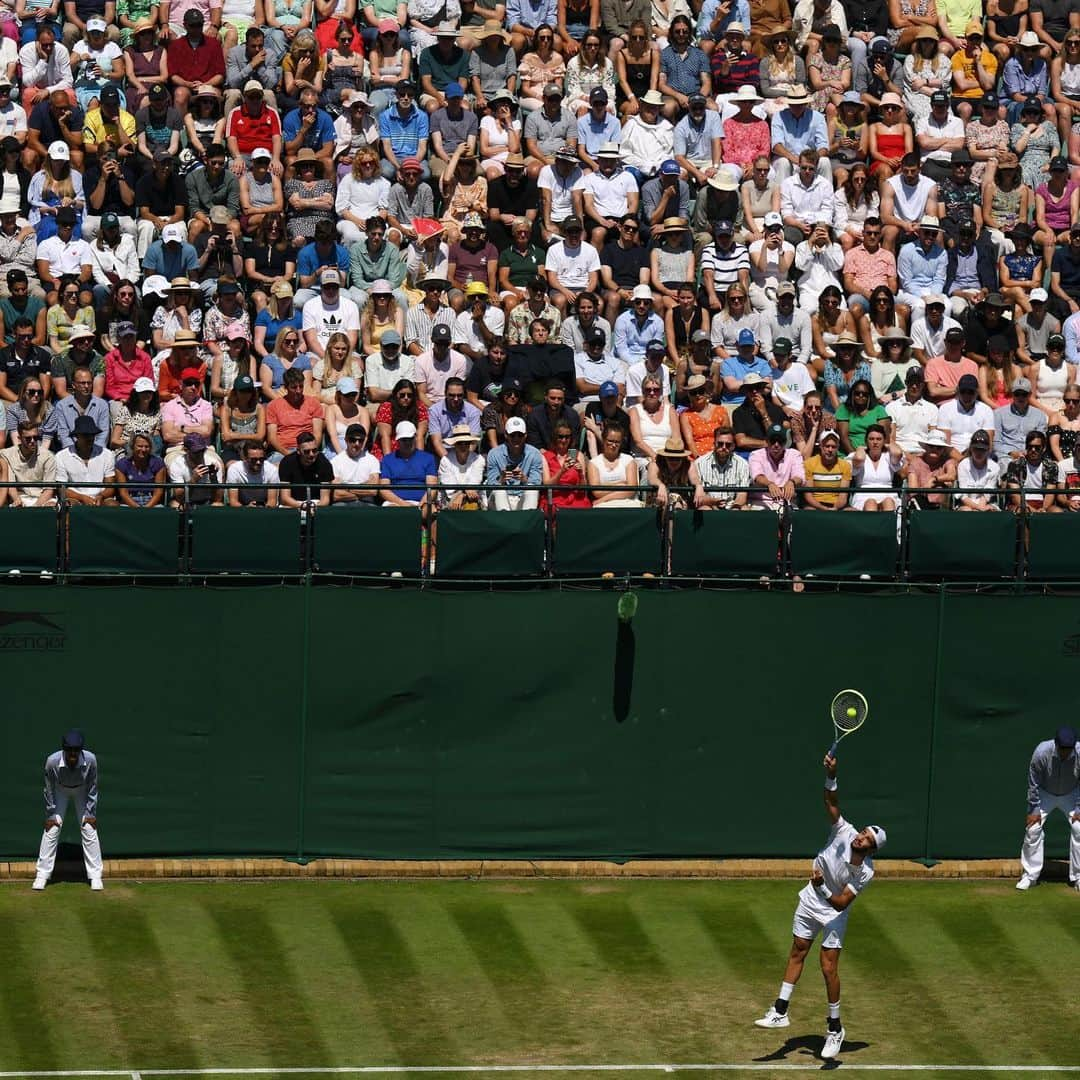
<point x="512" y="465"/>
<point x="647" y="138"/>
<point x="18" y="241"/>
<point x="608" y="195"/>
<point x="637" y="327"/>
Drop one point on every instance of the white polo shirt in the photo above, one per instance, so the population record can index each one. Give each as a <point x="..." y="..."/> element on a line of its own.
<point x="912" y="421"/>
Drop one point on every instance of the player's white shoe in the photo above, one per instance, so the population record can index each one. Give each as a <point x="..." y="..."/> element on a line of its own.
<point x="773" y="1019"/>
<point x="1026" y="882"/>
<point x="39" y="884"/>
<point x="96" y="884"/>
<point x="833" y="1041"/>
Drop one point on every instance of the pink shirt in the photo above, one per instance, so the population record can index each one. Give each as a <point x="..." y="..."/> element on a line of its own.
<point x="120" y="376"/>
<point x="181" y="414"/>
<point x="789" y="467"/>
<point x="434" y="373"/>
<point x="869" y="271"/>
<point x="940" y="370"/>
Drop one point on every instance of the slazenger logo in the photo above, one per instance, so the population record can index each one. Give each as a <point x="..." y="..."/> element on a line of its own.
<point x="31" y="631"/>
<point x="1070" y="647"/>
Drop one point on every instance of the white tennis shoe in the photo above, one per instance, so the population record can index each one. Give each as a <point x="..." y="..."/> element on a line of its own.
<point x="833" y="1041"/>
<point x="39" y="884"/>
<point x="96" y="884"/>
<point x="1025" y="883"/>
<point x="773" y="1019"/>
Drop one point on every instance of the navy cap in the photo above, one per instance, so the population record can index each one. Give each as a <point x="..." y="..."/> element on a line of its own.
<point x="1065" y="736"/>
<point x="670" y="167"/>
<point x="440" y="332"/>
<point x="776" y="433"/>
<point x="967" y="382"/>
<point x="724" y="225"/>
<point x="609" y="389"/>
<point x="73" y="740"/>
<point x="596" y="336"/>
<point x="656" y="346"/>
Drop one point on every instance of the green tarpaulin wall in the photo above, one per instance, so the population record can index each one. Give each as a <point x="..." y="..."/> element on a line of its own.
<point x="406" y="723"/>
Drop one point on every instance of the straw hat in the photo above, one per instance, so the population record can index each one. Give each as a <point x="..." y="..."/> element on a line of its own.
<point x="673" y="448"/>
<point x="673" y="224"/>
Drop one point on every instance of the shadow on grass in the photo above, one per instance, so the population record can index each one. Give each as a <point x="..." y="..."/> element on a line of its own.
<point x="384" y="962"/>
<point x="811" y="1045"/>
<point x="26" y="1015"/>
<point x="127" y="953"/>
<point x="618" y="936"/>
<point x="276" y="1004"/>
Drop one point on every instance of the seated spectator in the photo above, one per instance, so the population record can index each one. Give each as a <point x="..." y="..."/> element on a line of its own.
<point x="699" y="422"/>
<point x="140" y="466"/>
<point x="944" y="372"/>
<point x="262" y="196"/>
<point x="250" y="62"/>
<point x="668" y="475"/>
<point x="437" y="365"/>
<point x="934" y="468"/>
<point x="354" y="468"/>
<point x="808" y="425"/>
<point x="964" y="414"/>
<point x="287" y="356"/>
<point x="978" y="470"/>
<point x="196" y="474"/>
<point x="508" y="402"/>
<point x="407" y="472"/>
<point x="329" y="313"/>
<point x="403" y="404"/>
<point x="30" y="466"/>
<point x="125" y="365"/>
<point x="776" y="471"/>
<point x="319" y="255"/>
<point x="308" y="471"/>
<point x="291" y="415"/>
<point x="911" y="415"/>
<point x="194" y="59"/>
<point x="512" y="465"/>
<point x="255" y="474"/>
<point x="714" y="475"/>
<point x="82" y="352"/>
<point x="873" y="467"/>
<point x="46" y="66"/>
<point x="187" y="413"/>
<point x="338" y="363"/>
<point x="858" y="414"/>
<point x="278" y="311"/>
<point x="594" y="366"/>
<point x="243" y="419"/>
<point x="81" y="404"/>
<point x="1013" y="423"/>
<point x="829" y="471"/>
<point x="85" y="467"/>
<point x="450" y="415"/>
<point x="462" y="469"/>
<point x="731" y="374"/>
<point x="139" y="415"/>
<point x="24" y="360"/>
<point x="756" y="415"/>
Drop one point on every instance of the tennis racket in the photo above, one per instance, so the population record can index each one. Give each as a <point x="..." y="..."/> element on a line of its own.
<point x="849" y="711"/>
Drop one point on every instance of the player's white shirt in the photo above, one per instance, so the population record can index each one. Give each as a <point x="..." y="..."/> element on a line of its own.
<point x="834" y="861"/>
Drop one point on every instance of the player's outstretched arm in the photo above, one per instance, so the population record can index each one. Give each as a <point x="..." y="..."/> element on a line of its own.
<point x="832" y="804"/>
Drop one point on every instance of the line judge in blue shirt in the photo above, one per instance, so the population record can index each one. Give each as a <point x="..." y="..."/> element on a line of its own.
<point x="795" y="129"/>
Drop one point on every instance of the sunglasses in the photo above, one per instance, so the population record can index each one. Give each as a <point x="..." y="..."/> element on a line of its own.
<point x="34" y="393"/>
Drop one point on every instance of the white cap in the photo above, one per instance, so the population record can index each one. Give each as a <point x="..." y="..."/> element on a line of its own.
<point x="9" y="204"/>
<point x="406" y="429"/>
<point x="144" y="385"/>
<point x="156" y="285"/>
<point x="515" y="423"/>
<point x="59" y="150"/>
<point x="172" y="234"/>
<point x="1035" y="294"/>
<point x="77" y="333"/>
<point x="773" y="218"/>
<point x="95" y="24"/>
<point x="260" y="152"/>
<point x="641" y="292"/>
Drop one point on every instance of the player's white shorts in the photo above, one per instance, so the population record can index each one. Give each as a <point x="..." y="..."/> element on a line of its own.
<point x="810" y="921"/>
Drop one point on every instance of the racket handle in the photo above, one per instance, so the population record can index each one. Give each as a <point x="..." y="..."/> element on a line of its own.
<point x="832" y="749"/>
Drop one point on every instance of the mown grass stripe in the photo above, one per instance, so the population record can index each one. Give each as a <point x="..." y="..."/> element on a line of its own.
<point x="27" y="1016"/>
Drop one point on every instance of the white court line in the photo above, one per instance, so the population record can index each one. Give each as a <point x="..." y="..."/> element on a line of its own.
<point x="753" y="1066"/>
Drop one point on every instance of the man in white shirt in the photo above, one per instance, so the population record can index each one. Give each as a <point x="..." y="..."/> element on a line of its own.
<point x="608" y="194"/>
<point x="328" y="313"/>
<point x="354" y="468"/>
<point x="928" y="331"/>
<point x="653" y="364"/>
<point x="791" y="381"/>
<point x="84" y="464"/>
<point x="254" y="472"/>
<point x="479" y="323"/>
<point x="572" y="266"/>
<point x="912" y="415"/>
<point x="45" y="65"/>
<point x="61" y="256"/>
<point x="560" y="187"/>
<point x="906" y="199"/>
<point x="647" y="139"/>
<point x="938" y="135"/>
<point x="805" y="198"/>
<point x="819" y="260"/>
<point x="961" y="416"/>
<point x="785" y="320"/>
<point x="383" y="370"/>
<point x="12" y="114"/>
<point x="843" y="870"/>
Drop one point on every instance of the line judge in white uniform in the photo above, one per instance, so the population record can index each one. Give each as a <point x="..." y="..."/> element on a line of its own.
<point x="842" y="870"/>
<point x="1053" y="784"/>
<point x="70" y="776"/>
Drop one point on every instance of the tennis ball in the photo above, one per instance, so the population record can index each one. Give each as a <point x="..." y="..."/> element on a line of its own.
<point x="851" y="713"/>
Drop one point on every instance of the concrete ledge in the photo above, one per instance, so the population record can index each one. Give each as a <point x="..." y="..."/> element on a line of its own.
<point x="715" y="869"/>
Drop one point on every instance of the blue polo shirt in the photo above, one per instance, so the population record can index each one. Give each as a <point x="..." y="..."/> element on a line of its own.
<point x="407" y="475"/>
<point x="808" y="132"/>
<point x="321" y="132"/>
<point x="309" y="260"/>
<point x="405" y="132"/>
<point x="684" y="72"/>
<point x="736" y="366"/>
<point x="593" y="135"/>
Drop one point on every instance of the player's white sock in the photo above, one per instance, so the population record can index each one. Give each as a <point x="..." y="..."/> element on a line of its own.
<point x="781" y="1003"/>
<point x="834" y="1016"/>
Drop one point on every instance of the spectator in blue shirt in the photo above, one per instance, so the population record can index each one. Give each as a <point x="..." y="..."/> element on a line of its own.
<point x="524" y="17"/>
<point x="171" y="256"/>
<point x="684" y="70"/>
<point x="712" y="23"/>
<point x="310" y="127"/>
<point x="512" y="465"/>
<point x="1025" y="75"/>
<point x="407" y="473"/>
<point x="795" y="129"/>
<point x="734" y="369"/>
<point x="636" y="327"/>
<point x="596" y="127"/>
<point x="403" y="131"/>
<point x="313" y="258"/>
<point x="922" y="267"/>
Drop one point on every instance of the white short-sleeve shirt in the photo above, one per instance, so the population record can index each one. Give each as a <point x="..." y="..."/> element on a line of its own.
<point x="572" y="268"/>
<point x="839" y="872"/>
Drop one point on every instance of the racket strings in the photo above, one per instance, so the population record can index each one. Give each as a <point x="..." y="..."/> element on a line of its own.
<point x="840" y="707"/>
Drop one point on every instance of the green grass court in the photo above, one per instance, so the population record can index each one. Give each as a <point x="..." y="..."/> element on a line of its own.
<point x="286" y="975"/>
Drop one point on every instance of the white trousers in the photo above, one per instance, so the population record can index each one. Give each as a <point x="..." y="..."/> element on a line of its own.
<point x="516" y="500"/>
<point x="1031" y="854"/>
<point x="50" y="838"/>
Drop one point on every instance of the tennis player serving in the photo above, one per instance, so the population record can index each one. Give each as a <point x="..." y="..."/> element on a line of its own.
<point x="842" y="870"/>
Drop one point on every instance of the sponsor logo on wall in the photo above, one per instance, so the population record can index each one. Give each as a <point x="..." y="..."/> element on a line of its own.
<point x="31" y="631"/>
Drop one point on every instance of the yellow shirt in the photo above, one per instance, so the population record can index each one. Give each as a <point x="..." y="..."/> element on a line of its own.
<point x="97" y="130"/>
<point x="966" y="66"/>
<point x="817" y="475"/>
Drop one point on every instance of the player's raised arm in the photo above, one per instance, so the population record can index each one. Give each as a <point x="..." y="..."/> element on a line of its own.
<point x="832" y="805"/>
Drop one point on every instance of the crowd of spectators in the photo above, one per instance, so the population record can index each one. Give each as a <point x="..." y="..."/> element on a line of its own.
<point x="404" y="253"/>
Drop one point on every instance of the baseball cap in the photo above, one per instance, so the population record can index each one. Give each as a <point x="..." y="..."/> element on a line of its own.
<point x="143" y="385"/>
<point x="59" y="150"/>
<point x="934" y="300"/>
<point x="515" y="424"/>
<point x="84" y="425"/>
<point x="724" y="225"/>
<point x="567" y="153"/>
<point x="191" y="374"/>
<point x="955" y="333"/>
<point x="995" y="299"/>
<point x="72" y="740"/>
<point x="406" y="429"/>
<point x="1021" y="385"/>
<point x="347" y="385"/>
<point x="699" y="336"/>
<point x="1055" y="341"/>
<point x="389" y="337"/>
<point x="656" y="347"/>
<point x="670" y="167"/>
<point x="1065" y="736"/>
<point x="453" y="90"/>
<point x="228" y="288"/>
<point x="697" y="99"/>
<point x="1039" y="295"/>
<point x="156" y="285"/>
<point x="219" y="215"/>
<point x="747" y="337"/>
<point x="172" y="234"/>
<point x="332" y="276"/>
<point x="440" y="333"/>
<point x="1059" y="164"/>
<point x="110" y="221"/>
<point x="785" y="288"/>
<point x="609" y="389"/>
<point x="598" y="95"/>
<point x="109" y="96"/>
<point x="980" y="438"/>
<point x="553" y="90"/>
<point x="776" y="433"/>
<point x="246" y="382"/>
<point x="967" y="382"/>
<point x="95" y="24"/>
<point x="914" y="374"/>
<point x="773" y="220"/>
<point x="388" y="26"/>
<point x="596" y="336"/>
<point x="193" y="15"/>
<point x="158" y="92"/>
<point x="195" y="442"/>
<point x="781" y="345"/>
<point x="939" y="97"/>
<point x="260" y="153"/>
<point x="990" y="100"/>
<point x="881" y="45"/>
<point x="127" y="329"/>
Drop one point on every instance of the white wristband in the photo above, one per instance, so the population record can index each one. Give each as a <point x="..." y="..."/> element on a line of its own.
<point x="824" y="893"/>
<point x="830" y="783"/>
